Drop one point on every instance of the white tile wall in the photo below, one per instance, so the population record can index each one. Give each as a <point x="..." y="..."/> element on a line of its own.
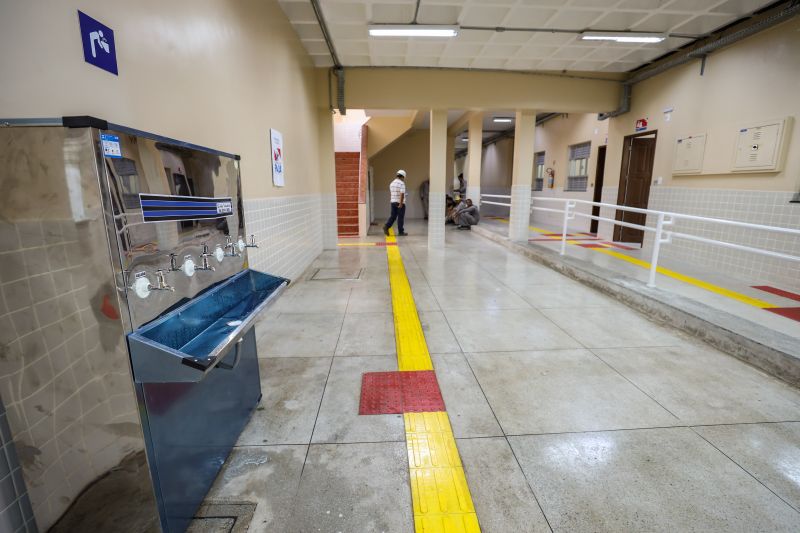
<point x="519" y="218"/>
<point x="547" y="218"/>
<point x="436" y="208"/>
<point x="759" y="207"/>
<point x="330" y="238"/>
<point x="608" y="195"/>
<point x="61" y="389"/>
<point x="288" y="230"/>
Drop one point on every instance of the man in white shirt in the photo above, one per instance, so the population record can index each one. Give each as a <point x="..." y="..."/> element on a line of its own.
<point x="397" y="190"/>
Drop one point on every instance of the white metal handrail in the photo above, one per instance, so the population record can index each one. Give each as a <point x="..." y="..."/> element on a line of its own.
<point x="663" y="235"/>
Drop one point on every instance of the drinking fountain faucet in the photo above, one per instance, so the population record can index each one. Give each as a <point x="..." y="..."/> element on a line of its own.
<point x="230" y="244"/>
<point x="188" y="267"/>
<point x="161" y="282"/>
<point x="252" y="242"/>
<point x="173" y="267"/>
<point x="204" y="259"/>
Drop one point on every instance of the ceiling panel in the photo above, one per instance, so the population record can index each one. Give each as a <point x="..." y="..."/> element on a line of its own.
<point x="348" y="22"/>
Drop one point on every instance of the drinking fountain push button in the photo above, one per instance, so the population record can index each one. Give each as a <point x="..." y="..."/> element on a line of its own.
<point x="141" y="285"/>
<point x="188" y="266"/>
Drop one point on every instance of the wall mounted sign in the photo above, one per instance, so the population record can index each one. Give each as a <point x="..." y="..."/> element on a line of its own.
<point x="276" y="141"/>
<point x="160" y="207"/>
<point x="98" y="43"/>
<point x="111" y="146"/>
<point x="641" y="124"/>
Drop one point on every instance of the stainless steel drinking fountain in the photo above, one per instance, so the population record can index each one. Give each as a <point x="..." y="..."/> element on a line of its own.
<point x="137" y="315"/>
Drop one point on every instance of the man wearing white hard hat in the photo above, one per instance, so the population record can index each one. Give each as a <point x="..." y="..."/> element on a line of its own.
<point x="397" y="190"/>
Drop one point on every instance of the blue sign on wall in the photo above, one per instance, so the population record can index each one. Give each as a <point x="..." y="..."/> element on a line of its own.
<point x="98" y="43"/>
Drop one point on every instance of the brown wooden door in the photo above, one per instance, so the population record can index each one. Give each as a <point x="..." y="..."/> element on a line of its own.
<point x="634" y="191"/>
<point x="598" y="186"/>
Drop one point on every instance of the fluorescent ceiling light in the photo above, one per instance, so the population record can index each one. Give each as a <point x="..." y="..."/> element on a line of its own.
<point x="503" y="119"/>
<point x="412" y="30"/>
<point x="623" y="37"/>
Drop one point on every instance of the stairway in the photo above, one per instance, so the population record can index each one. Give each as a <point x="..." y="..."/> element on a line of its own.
<point x="347" y="167"/>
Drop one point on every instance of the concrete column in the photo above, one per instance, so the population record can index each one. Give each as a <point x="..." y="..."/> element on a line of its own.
<point x="451" y="163"/>
<point x="474" y="153"/>
<point x="438" y="177"/>
<point x="522" y="176"/>
<point x="327" y="180"/>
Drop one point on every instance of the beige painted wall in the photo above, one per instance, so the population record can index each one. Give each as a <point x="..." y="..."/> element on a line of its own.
<point x="758" y="78"/>
<point x="218" y="73"/>
<point x="411" y="153"/>
<point x="555" y="136"/>
<point x="399" y="88"/>
<point x="496" y="167"/>
<point x="384" y="130"/>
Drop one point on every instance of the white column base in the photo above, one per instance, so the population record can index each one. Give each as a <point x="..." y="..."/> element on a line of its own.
<point x="474" y="194"/>
<point x="520" y="213"/>
<point x="436" y="220"/>
<point x="330" y="231"/>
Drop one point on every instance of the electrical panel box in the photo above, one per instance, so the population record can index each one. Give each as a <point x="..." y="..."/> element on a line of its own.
<point x="689" y="153"/>
<point x="761" y="146"/>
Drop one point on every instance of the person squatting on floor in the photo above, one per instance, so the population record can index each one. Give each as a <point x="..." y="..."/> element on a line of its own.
<point x="467" y="216"/>
<point x="397" y="191"/>
<point x="453" y="207"/>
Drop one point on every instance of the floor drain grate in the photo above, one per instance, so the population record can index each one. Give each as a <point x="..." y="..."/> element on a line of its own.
<point x="223" y="517"/>
<point x="322" y="274"/>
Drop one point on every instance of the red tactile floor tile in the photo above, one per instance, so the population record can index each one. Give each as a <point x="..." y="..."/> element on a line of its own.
<point x="421" y="392"/>
<point x="591" y="245"/>
<point x="380" y="393"/>
<point x="779" y="292"/>
<point x="384" y="393"/>
<point x="788" y="312"/>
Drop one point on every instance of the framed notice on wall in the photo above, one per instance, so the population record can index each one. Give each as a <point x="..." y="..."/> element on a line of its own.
<point x="276" y="142"/>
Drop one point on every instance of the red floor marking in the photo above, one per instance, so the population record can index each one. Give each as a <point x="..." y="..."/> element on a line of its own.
<point x="620" y="246"/>
<point x="559" y="234"/>
<point x="385" y="244"/>
<point x="779" y="292"/>
<point x="788" y="312"/>
<point x="421" y="392"/>
<point x="384" y="393"/>
<point x="591" y="245"/>
<point x="380" y="393"/>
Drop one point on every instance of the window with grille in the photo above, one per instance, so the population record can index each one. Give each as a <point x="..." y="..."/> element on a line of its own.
<point x="538" y="162"/>
<point x="578" y="170"/>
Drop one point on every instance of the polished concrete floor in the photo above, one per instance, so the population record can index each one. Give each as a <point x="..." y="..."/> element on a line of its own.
<point x="571" y="412"/>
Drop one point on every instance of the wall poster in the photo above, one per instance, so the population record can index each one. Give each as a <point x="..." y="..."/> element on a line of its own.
<point x="276" y="141"/>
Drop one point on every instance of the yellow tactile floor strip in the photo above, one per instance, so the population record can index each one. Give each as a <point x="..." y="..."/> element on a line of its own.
<point x="710" y="287"/>
<point x="439" y="492"/>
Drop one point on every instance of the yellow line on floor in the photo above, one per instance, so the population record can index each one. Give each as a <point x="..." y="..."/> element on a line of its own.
<point x="440" y="495"/>
<point x="716" y="289"/>
<point x="722" y="291"/>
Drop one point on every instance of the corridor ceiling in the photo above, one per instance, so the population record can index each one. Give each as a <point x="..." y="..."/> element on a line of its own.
<point x="348" y="22"/>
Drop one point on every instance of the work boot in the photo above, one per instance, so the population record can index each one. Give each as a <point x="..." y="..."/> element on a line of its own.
<point x="402" y="234"/>
<point x="386" y="231"/>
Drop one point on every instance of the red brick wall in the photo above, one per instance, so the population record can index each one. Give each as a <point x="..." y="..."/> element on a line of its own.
<point x="362" y="171"/>
<point x="347" y="188"/>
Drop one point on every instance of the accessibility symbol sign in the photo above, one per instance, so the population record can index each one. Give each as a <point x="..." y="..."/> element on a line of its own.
<point x="98" y="43"/>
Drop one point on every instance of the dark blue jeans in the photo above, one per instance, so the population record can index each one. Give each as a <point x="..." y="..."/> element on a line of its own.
<point x="399" y="214"/>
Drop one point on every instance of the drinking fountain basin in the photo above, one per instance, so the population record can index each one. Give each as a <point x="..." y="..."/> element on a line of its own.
<point x="186" y="343"/>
